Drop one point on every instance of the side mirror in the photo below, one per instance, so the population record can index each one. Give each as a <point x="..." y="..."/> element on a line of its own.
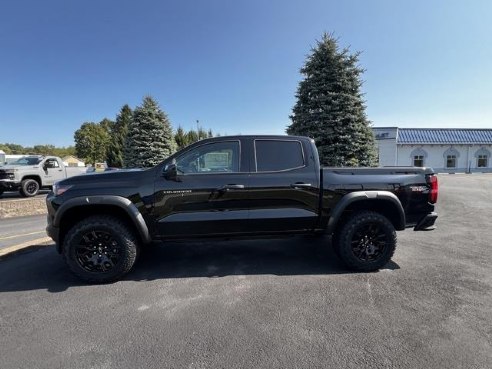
<point x="170" y="172"/>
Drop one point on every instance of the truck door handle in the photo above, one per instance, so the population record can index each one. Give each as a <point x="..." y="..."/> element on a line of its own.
<point x="228" y="187"/>
<point x="300" y="185"/>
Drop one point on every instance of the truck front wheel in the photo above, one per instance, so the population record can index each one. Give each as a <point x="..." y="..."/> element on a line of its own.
<point x="366" y="242"/>
<point x="29" y="188"/>
<point x="100" y="249"/>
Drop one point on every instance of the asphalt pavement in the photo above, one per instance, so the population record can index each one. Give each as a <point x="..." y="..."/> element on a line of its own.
<point x="6" y="196"/>
<point x="14" y="231"/>
<point x="266" y="303"/>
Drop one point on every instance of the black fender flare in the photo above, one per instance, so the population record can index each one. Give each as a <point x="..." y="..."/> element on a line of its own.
<point x="356" y="196"/>
<point x="118" y="201"/>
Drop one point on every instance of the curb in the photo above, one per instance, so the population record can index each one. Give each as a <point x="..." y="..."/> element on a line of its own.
<point x="25" y="247"/>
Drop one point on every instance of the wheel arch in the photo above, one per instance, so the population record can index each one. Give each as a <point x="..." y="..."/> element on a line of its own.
<point x="36" y="177"/>
<point x="76" y="209"/>
<point x="383" y="202"/>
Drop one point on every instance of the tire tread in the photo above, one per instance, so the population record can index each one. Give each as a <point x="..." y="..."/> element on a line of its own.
<point x="344" y="238"/>
<point x="130" y="246"/>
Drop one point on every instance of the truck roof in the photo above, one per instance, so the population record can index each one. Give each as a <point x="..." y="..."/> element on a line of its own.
<point x="264" y="137"/>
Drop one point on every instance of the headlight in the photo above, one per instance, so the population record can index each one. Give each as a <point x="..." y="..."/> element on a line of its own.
<point x="59" y="189"/>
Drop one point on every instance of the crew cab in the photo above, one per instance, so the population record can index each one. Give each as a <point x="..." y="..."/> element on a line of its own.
<point x="224" y="187"/>
<point x="31" y="173"/>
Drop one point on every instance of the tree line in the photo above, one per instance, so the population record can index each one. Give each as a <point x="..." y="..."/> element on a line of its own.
<point x="141" y="137"/>
<point x="16" y="149"/>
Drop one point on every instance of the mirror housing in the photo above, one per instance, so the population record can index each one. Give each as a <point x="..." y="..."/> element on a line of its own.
<point x="170" y="172"/>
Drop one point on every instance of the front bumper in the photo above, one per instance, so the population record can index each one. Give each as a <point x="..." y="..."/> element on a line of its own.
<point x="51" y="229"/>
<point x="9" y="185"/>
<point x="426" y="223"/>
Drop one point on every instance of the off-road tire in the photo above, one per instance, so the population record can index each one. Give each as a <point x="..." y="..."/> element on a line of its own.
<point x="119" y="231"/>
<point x="350" y="234"/>
<point x="29" y="187"/>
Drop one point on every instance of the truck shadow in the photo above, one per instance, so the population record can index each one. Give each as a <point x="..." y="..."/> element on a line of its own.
<point x="44" y="269"/>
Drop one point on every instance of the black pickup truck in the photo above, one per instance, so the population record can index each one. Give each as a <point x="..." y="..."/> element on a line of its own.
<point x="238" y="186"/>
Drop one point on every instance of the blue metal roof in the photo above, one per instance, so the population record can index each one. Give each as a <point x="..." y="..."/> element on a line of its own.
<point x="444" y="136"/>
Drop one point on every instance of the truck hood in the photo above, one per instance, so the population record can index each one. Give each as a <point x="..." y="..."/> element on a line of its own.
<point x="117" y="176"/>
<point x="18" y="167"/>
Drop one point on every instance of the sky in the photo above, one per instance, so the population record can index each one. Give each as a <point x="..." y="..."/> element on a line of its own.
<point x="234" y="65"/>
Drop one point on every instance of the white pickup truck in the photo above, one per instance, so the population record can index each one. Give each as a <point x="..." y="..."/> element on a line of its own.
<point x="31" y="173"/>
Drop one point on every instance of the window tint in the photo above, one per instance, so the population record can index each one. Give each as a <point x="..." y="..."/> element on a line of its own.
<point x="274" y="155"/>
<point x="51" y="163"/>
<point x="211" y="158"/>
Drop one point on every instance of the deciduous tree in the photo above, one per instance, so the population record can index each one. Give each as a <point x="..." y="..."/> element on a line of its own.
<point x="91" y="140"/>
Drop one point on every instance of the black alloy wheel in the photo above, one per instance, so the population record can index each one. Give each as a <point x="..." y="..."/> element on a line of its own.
<point x="98" y="251"/>
<point x="100" y="248"/>
<point x="366" y="241"/>
<point x="29" y="187"/>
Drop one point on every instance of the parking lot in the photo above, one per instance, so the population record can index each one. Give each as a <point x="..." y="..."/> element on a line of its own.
<point x="266" y="303"/>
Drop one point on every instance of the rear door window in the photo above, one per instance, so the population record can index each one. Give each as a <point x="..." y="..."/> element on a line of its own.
<point x="278" y="155"/>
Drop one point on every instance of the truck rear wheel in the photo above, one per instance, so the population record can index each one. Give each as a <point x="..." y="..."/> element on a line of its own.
<point x="29" y="188"/>
<point x="366" y="242"/>
<point x="100" y="249"/>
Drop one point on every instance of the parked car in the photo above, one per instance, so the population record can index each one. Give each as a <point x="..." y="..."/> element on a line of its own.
<point x="237" y="186"/>
<point x="31" y="173"/>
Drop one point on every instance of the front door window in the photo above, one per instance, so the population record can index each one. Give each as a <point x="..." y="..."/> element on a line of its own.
<point x="219" y="157"/>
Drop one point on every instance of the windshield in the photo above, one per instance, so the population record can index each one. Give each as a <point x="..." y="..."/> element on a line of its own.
<point x="27" y="161"/>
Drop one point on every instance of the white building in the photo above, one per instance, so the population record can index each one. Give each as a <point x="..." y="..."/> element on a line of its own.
<point x="446" y="150"/>
<point x="72" y="161"/>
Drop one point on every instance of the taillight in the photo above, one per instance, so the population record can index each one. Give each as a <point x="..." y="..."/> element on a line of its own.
<point x="434" y="188"/>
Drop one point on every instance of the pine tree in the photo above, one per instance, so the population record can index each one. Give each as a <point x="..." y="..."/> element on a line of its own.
<point x="114" y="155"/>
<point x="330" y="107"/>
<point x="192" y="136"/>
<point x="150" y="137"/>
<point x="180" y="138"/>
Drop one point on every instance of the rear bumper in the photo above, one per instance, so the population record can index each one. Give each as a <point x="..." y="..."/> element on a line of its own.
<point x="426" y="223"/>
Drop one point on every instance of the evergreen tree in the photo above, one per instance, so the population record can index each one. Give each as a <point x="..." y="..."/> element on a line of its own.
<point x="114" y="156"/>
<point x="202" y="134"/>
<point x="192" y="136"/>
<point x="181" y="138"/>
<point x="150" y="137"/>
<point x="330" y="107"/>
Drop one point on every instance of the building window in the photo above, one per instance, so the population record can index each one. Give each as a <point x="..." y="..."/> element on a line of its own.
<point x="418" y="161"/>
<point x="451" y="161"/>
<point x="482" y="161"/>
